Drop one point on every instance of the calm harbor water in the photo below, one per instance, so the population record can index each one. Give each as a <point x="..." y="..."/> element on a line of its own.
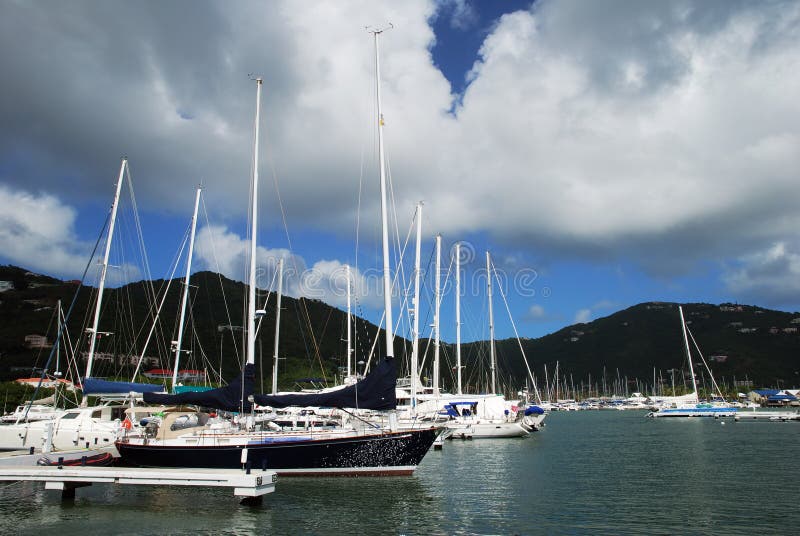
<point x="587" y="473"/>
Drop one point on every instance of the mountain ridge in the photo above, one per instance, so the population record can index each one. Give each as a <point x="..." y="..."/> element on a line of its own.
<point x="747" y="343"/>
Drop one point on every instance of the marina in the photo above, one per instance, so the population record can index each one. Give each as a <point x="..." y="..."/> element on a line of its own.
<point x="591" y="193"/>
<point x="607" y="472"/>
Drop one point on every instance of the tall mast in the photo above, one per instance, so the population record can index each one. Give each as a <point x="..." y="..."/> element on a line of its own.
<point x="415" y="340"/>
<point x="556" y="381"/>
<point x="251" y="297"/>
<point x="458" y="316"/>
<point x="491" y="323"/>
<point x="437" y="307"/>
<point x="103" y="271"/>
<point x="277" y="328"/>
<point x="688" y="352"/>
<point x="57" y="372"/>
<point x="547" y="384"/>
<point x="349" y="323"/>
<point x="185" y="298"/>
<point x="387" y="277"/>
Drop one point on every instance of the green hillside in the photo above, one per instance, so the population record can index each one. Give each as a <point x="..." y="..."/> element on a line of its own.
<point x="747" y="343"/>
<point x="740" y="342"/>
<point x="311" y="335"/>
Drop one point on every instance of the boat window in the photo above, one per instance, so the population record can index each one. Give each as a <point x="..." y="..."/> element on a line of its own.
<point x="97" y="414"/>
<point x="70" y="415"/>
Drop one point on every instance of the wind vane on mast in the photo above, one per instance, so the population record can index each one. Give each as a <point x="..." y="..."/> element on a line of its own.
<point x="373" y="30"/>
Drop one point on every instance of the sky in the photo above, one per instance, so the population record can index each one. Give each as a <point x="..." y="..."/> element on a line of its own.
<point x="606" y="153"/>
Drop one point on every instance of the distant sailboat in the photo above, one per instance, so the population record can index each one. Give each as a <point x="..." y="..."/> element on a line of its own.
<point x="689" y="405"/>
<point x="485" y="416"/>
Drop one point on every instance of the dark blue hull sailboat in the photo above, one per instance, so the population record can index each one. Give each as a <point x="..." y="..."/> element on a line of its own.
<point x="370" y="451"/>
<point x="378" y="454"/>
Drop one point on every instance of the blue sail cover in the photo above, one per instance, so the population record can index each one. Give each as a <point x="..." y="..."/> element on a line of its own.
<point x="375" y="391"/>
<point x="232" y="397"/>
<point x="96" y="386"/>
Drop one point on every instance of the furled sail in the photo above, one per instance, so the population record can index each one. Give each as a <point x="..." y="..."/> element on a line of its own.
<point x="233" y="397"/>
<point x="375" y="391"/>
<point x="96" y="386"/>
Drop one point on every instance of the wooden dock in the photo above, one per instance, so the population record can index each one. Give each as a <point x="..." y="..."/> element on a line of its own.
<point x="251" y="486"/>
<point x="780" y="416"/>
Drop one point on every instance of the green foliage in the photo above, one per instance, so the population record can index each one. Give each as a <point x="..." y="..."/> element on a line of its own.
<point x="648" y="336"/>
<point x="634" y="341"/>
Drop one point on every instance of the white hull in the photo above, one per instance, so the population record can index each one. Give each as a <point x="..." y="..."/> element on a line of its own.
<point x="486" y="429"/>
<point x="534" y="422"/>
<point x="87" y="428"/>
<point x="694" y="411"/>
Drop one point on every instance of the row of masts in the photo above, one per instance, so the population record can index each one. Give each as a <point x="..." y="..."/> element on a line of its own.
<point x="253" y="314"/>
<point x="564" y="386"/>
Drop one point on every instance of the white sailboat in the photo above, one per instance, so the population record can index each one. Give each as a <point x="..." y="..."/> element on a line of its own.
<point x="85" y="427"/>
<point x="689" y="405"/>
<point x="484" y="416"/>
<point x="463" y="415"/>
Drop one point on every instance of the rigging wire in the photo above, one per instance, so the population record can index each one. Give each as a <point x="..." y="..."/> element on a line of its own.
<point x="516" y="334"/>
<point x="69" y="311"/>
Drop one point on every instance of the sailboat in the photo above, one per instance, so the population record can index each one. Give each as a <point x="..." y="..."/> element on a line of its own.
<point x="197" y="439"/>
<point x="85" y="427"/>
<point x="96" y="426"/>
<point x="483" y="416"/>
<point x="689" y="405"/>
<point x="463" y="415"/>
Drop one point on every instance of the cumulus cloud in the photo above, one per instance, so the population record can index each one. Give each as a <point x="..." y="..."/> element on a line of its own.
<point x="460" y="13"/>
<point x="587" y="314"/>
<point x="536" y="313"/>
<point x="770" y="276"/>
<point x="221" y="250"/>
<point x="37" y="231"/>
<point x="663" y="133"/>
<point x="583" y="316"/>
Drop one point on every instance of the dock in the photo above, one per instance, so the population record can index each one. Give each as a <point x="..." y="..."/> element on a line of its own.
<point x="32" y="456"/>
<point x="781" y="416"/>
<point x="251" y="486"/>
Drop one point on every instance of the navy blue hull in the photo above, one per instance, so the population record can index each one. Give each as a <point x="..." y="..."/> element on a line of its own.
<point x="384" y="454"/>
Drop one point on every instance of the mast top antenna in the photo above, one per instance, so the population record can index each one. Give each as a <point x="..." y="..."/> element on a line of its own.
<point x="375" y="30"/>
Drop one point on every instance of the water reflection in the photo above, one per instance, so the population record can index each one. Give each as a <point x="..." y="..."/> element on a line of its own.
<point x="590" y="472"/>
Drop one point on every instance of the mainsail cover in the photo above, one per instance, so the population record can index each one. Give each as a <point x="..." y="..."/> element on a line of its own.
<point x="375" y="391"/>
<point x="233" y="397"/>
<point x="94" y="386"/>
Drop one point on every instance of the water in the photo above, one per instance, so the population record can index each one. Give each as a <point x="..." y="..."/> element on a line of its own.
<point x="586" y="473"/>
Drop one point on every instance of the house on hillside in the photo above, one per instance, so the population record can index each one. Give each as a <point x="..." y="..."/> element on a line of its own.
<point x="36" y="341"/>
<point x="46" y="383"/>
<point x="6" y="285"/>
